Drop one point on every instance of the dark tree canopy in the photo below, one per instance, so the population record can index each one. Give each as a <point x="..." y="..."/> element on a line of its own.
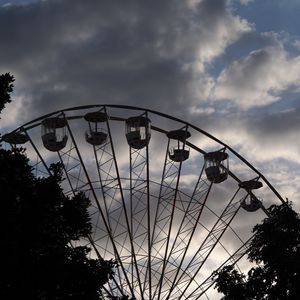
<point x="276" y="249"/>
<point x="6" y="87"/>
<point x="37" y="224"/>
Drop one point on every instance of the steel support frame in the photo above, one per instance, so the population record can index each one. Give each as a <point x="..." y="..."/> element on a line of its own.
<point x="82" y="168"/>
<point x="164" y="215"/>
<point x="211" y="240"/>
<point x="140" y="210"/>
<point x="232" y="260"/>
<point x="115" y="209"/>
<point x="188" y="225"/>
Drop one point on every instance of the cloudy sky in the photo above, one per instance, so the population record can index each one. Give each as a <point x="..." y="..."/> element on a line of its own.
<point x="230" y="67"/>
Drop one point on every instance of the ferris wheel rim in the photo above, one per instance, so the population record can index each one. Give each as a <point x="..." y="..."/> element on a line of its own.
<point x="164" y="115"/>
<point x="34" y="123"/>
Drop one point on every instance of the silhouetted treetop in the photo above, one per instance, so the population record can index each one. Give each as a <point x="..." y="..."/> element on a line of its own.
<point x="6" y="88"/>
<point x="275" y="249"/>
<point x="38" y="224"/>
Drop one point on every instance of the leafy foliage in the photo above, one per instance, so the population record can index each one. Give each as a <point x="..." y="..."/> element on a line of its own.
<point x="6" y="87"/>
<point x="276" y="249"/>
<point x="37" y="224"/>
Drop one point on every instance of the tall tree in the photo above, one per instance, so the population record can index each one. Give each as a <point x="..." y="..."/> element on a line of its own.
<point x="275" y="249"/>
<point x="6" y="88"/>
<point x="38" y="224"/>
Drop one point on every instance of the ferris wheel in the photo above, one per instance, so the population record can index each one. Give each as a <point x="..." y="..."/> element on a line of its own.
<point x="170" y="202"/>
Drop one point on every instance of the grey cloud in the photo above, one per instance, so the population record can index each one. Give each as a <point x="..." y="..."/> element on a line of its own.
<point x="260" y="78"/>
<point x="66" y="53"/>
<point x="277" y="124"/>
<point x="145" y="53"/>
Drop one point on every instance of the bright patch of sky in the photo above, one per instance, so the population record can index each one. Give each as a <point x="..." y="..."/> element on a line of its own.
<point x="260" y="71"/>
<point x="272" y="15"/>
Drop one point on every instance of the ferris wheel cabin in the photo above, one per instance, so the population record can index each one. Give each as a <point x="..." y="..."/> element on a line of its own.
<point x="96" y="135"/>
<point x="178" y="151"/>
<point x="138" y="131"/>
<point x="251" y="203"/>
<point x="216" y="166"/>
<point x="54" y="135"/>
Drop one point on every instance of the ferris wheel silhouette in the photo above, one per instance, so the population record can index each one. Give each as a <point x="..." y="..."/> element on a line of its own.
<point x="165" y="203"/>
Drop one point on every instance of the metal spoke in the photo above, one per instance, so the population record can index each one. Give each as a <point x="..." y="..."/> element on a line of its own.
<point x="163" y="233"/>
<point x="212" y="239"/>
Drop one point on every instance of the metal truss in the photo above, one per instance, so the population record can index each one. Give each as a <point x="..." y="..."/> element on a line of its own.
<point x="156" y="230"/>
<point x="211" y="240"/>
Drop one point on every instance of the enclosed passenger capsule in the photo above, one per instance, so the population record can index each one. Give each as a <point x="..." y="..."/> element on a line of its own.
<point x="54" y="135"/>
<point x="216" y="166"/>
<point x="95" y="135"/>
<point x="138" y="131"/>
<point x="15" y="138"/>
<point x="251" y="203"/>
<point x="178" y="151"/>
<point x="250" y="185"/>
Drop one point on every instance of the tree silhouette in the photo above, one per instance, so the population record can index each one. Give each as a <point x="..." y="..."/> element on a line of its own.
<point x="6" y="87"/>
<point x="38" y="224"/>
<point x="276" y="249"/>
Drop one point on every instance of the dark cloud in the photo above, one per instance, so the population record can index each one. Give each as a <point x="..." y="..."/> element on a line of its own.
<point x="66" y="53"/>
<point x="277" y="124"/>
